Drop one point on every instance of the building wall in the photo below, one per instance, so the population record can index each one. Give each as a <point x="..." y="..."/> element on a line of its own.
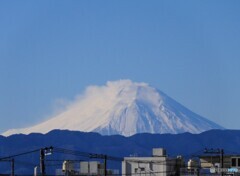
<point x="148" y="166"/>
<point x="208" y="162"/>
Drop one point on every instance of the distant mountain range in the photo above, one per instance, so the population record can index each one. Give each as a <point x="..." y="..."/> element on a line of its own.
<point x="184" y="144"/>
<point x="126" y="108"/>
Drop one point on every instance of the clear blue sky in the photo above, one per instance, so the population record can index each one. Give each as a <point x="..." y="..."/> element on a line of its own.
<point x="54" y="49"/>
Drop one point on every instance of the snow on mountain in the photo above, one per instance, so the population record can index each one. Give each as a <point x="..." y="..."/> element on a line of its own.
<point x="124" y="107"/>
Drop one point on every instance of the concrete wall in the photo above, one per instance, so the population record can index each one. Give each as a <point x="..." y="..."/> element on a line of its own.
<point x="149" y="166"/>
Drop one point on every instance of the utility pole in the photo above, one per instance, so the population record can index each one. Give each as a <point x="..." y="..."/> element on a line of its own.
<point x="105" y="165"/>
<point x="43" y="152"/>
<point x="101" y="156"/>
<point x="42" y="162"/>
<point x="12" y="166"/>
<point x="222" y="160"/>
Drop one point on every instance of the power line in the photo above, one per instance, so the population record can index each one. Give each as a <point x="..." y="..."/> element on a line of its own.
<point x="20" y="154"/>
<point x="86" y="154"/>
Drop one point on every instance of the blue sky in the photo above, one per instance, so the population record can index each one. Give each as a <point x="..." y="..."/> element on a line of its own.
<point x="51" y="50"/>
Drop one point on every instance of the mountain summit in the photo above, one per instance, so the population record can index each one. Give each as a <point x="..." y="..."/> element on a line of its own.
<point x="126" y="108"/>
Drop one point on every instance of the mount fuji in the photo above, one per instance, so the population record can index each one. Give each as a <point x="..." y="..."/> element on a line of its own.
<point x="126" y="108"/>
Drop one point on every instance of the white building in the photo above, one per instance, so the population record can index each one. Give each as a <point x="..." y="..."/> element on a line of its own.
<point x="91" y="168"/>
<point x="95" y="168"/>
<point x="157" y="165"/>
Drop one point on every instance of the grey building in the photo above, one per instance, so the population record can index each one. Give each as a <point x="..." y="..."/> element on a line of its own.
<point x="231" y="164"/>
<point x="159" y="164"/>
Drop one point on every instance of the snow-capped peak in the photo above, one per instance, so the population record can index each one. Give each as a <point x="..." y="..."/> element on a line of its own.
<point x="124" y="107"/>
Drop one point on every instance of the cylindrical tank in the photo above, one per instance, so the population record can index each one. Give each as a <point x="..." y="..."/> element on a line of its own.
<point x="192" y="164"/>
<point x="67" y="166"/>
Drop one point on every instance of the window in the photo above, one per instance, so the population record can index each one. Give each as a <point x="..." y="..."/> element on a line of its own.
<point x="234" y="162"/>
<point x="139" y="170"/>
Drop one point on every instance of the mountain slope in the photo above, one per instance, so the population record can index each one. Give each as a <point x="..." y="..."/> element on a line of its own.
<point x="126" y="108"/>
